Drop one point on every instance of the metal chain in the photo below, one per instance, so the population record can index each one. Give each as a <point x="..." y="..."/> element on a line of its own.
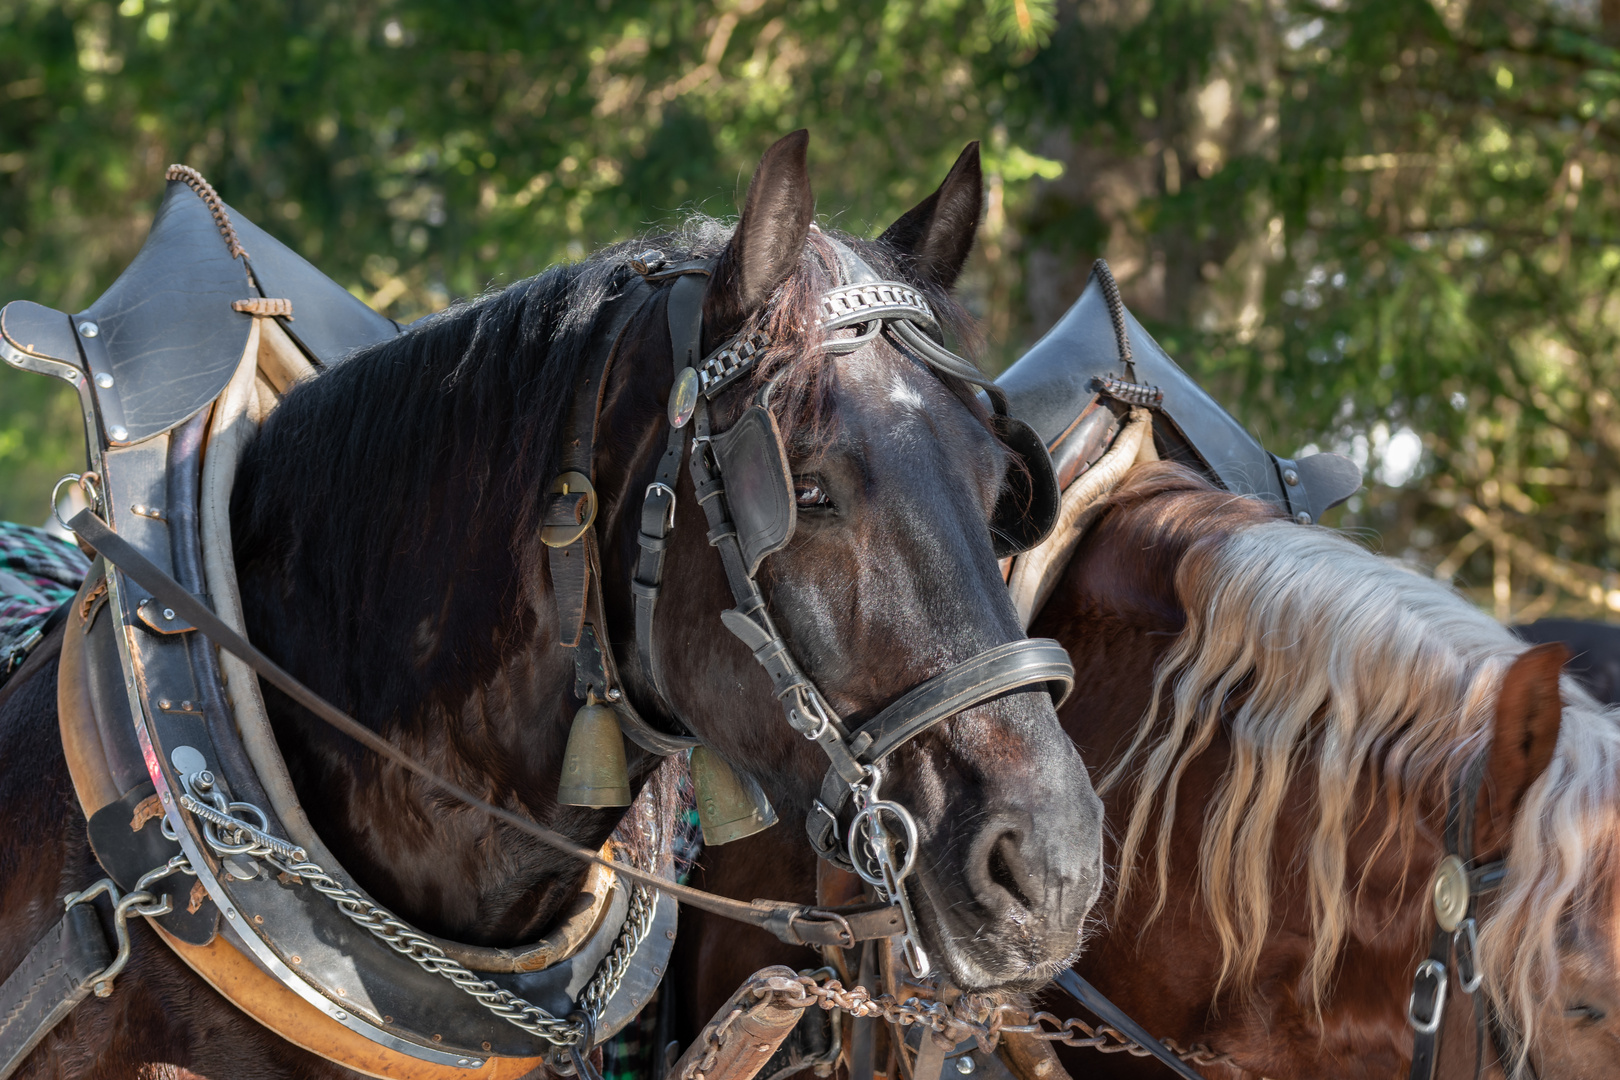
<point x="1106" y="1040"/>
<point x="242" y="838"/>
<point x="970" y="1017"/>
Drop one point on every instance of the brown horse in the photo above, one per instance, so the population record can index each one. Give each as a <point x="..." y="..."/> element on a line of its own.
<point x="1275" y="717"/>
<point x="386" y="526"/>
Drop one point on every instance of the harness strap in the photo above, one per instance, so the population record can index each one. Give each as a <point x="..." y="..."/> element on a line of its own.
<point x="52" y="979"/>
<point x="685" y="317"/>
<point x="796" y="924"/>
<point x="1118" y="1019"/>
<point x="1425" y="1010"/>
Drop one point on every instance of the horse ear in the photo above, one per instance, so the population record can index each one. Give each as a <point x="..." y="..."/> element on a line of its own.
<point x="938" y="232"/>
<point x="1529" y="709"/>
<point x="769" y="240"/>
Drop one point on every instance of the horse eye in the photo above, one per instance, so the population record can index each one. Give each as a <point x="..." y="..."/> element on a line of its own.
<point x="1589" y="1013"/>
<point x="808" y="494"/>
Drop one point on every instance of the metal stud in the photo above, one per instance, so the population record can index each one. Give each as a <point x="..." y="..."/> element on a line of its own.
<point x="1303" y="518"/>
<point x="1290" y="477"/>
<point x="118" y="433"/>
<point x="89" y="329"/>
<point x="105" y="379"/>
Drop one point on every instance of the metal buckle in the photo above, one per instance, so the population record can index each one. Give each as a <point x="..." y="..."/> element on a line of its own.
<point x="1466" y="941"/>
<point x="669" y="515"/>
<point x="1435" y="970"/>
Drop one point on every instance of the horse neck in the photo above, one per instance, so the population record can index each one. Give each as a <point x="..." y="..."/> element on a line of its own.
<point x="1117" y="612"/>
<point x="397" y="573"/>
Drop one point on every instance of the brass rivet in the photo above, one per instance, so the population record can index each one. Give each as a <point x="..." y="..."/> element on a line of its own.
<point x="342" y="992"/>
<point x="258" y="920"/>
<point x="298" y="959"/>
<point x="486" y="1047"/>
<point x="438" y="1038"/>
<point x="388" y="1019"/>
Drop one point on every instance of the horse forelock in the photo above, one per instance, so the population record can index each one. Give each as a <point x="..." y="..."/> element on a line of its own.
<point x="1330" y="670"/>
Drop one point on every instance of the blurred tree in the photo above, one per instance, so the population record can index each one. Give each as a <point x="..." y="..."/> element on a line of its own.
<point x="1386" y="226"/>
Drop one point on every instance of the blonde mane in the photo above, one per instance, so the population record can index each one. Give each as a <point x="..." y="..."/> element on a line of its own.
<point x="1346" y="668"/>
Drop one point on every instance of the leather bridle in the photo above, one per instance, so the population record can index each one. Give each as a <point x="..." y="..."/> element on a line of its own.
<point x="1455" y="889"/>
<point x="743" y="482"/>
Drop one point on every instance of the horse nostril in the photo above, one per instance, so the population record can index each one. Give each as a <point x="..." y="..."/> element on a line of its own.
<point x="999" y="870"/>
<point x="1004" y="858"/>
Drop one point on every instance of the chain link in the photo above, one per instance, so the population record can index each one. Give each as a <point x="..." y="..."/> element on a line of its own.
<point x="970" y="1017"/>
<point x="241" y="838"/>
<point x="1106" y="1040"/>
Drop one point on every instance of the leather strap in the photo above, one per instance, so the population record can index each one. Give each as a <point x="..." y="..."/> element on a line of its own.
<point x="796" y="924"/>
<point x="1433" y="976"/>
<point x="1000" y="670"/>
<point x="685" y="317"/>
<point x="1116" y="1018"/>
<point x="50" y="982"/>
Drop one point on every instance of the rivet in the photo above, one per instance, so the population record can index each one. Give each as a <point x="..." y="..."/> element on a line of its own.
<point x="388" y="1019"/>
<point x="438" y="1038"/>
<point x="230" y="913"/>
<point x="475" y="1062"/>
<point x="105" y="379"/>
<point x="340" y="1014"/>
<point x="165" y="796"/>
<point x="463" y="1061"/>
<point x="1290" y="476"/>
<point x="488" y="1047"/>
<point x="965" y="1065"/>
<point x="168" y="613"/>
<point x="615" y="694"/>
<point x="763" y="1048"/>
<point x="258" y="920"/>
<point x="296" y="959"/>
<point x="670" y="934"/>
<point x="657" y="970"/>
<point x="118" y="434"/>
<point x="164" y="703"/>
<point x="342" y="992"/>
<point x="1303" y="518"/>
<point x="89" y="329"/>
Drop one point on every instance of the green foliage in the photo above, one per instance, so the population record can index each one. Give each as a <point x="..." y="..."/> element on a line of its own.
<point x="1362" y="221"/>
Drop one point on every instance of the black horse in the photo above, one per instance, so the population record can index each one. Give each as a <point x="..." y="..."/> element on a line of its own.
<point x="386" y="527"/>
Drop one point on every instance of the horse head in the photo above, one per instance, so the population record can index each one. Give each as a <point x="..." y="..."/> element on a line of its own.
<point x="393" y="518"/>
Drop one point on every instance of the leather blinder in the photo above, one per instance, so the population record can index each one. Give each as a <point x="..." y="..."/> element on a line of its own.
<point x="758" y="485"/>
<point x="1030" y="498"/>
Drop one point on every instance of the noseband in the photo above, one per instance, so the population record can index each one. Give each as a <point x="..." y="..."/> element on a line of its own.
<point x="743" y="482"/>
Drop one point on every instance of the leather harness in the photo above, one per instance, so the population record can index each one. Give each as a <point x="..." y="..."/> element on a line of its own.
<point x="187" y="801"/>
<point x="744" y="484"/>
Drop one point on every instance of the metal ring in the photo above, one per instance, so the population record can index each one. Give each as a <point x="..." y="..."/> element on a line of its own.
<point x="871" y="813"/>
<point x="1466" y="941"/>
<point x="56" y="512"/>
<point x="1429" y="969"/>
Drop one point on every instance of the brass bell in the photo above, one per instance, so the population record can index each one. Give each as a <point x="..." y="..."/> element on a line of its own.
<point x="730" y="806"/>
<point x="593" y="772"/>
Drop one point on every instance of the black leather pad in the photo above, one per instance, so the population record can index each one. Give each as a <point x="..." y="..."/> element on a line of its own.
<point x="759" y="485"/>
<point x="127" y="837"/>
<point x="40" y="330"/>
<point x="165" y="329"/>
<point x="328" y="322"/>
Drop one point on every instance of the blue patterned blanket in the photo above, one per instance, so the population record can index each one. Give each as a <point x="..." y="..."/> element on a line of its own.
<point x="39" y="572"/>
